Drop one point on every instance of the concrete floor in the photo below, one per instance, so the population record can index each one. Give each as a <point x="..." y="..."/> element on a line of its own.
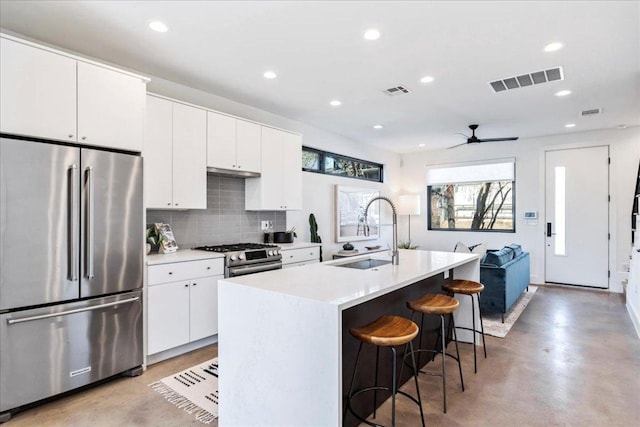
<point x="571" y="359"/>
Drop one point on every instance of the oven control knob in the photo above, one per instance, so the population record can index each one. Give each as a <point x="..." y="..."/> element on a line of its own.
<point x="232" y="257"/>
<point x="269" y="253"/>
<point x="241" y="257"/>
<point x="276" y="252"/>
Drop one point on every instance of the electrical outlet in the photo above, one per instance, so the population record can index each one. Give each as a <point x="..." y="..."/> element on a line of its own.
<point x="264" y="225"/>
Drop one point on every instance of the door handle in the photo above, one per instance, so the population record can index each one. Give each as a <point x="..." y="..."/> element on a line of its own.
<point x="90" y="224"/>
<point x="73" y="223"/>
<point x="68" y="312"/>
<point x="548" y="229"/>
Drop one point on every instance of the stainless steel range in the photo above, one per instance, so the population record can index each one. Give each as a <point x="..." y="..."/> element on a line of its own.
<point x="247" y="258"/>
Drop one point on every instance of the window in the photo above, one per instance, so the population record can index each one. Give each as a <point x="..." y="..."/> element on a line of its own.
<point x="335" y="164"/>
<point x="479" y="197"/>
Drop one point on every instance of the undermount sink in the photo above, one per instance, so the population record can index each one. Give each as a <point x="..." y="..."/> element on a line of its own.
<point x="365" y="264"/>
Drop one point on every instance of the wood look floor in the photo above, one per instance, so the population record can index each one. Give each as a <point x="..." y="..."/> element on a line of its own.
<point x="572" y="359"/>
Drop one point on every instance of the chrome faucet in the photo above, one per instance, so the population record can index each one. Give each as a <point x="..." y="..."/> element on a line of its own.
<point x="395" y="259"/>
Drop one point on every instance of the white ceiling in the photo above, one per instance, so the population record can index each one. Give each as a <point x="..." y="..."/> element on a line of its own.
<point x="319" y="54"/>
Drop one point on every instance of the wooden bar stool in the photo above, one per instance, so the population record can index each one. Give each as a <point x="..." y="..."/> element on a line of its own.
<point x="386" y="331"/>
<point x="440" y="305"/>
<point x="471" y="288"/>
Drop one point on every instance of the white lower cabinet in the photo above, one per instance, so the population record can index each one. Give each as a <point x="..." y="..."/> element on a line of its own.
<point x="300" y="256"/>
<point x="184" y="309"/>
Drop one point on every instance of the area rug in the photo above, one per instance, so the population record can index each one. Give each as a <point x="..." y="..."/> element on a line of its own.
<point x="493" y="322"/>
<point x="195" y="390"/>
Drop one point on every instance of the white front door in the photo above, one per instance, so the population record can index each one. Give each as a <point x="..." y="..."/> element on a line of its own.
<point x="577" y="217"/>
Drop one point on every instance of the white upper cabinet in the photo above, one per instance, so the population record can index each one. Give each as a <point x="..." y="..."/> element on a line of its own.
<point x="175" y="155"/>
<point x="158" y="152"/>
<point x="189" y="157"/>
<point x="110" y="108"/>
<point x="280" y="184"/>
<point x="48" y="94"/>
<point x="37" y="92"/>
<point x="232" y="144"/>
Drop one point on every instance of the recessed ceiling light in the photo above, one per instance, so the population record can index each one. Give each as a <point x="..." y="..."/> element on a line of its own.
<point x="552" y="47"/>
<point x="378" y="126"/>
<point x="270" y="75"/>
<point x="372" y="34"/>
<point x="426" y="79"/>
<point x="570" y="125"/>
<point x="421" y="145"/>
<point x="562" y="93"/>
<point x="335" y="103"/>
<point x="158" y="26"/>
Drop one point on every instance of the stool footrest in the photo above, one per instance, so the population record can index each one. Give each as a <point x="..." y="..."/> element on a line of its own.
<point x="374" y="388"/>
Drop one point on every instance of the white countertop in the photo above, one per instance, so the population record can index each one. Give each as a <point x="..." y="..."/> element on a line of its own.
<point x="345" y="287"/>
<point x="181" y="255"/>
<point x="297" y="245"/>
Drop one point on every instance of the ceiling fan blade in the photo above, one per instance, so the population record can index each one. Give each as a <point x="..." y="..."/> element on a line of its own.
<point x="512" y="138"/>
<point x="457" y="145"/>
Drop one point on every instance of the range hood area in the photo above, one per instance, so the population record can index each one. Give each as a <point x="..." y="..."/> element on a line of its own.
<point x="233" y="173"/>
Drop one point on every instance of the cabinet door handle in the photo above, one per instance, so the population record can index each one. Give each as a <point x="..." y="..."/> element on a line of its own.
<point x="170" y="273"/>
<point x="186" y="285"/>
<point x="194" y="284"/>
<point x="208" y="268"/>
<point x="84" y="137"/>
<point x="70" y="135"/>
<point x="168" y="203"/>
<point x="176" y="204"/>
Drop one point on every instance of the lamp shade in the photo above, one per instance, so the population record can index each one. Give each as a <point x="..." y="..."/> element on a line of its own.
<point x="409" y="204"/>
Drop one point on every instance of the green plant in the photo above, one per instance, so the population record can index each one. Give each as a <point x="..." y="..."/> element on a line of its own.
<point x="152" y="236"/>
<point x="315" y="237"/>
<point x="407" y="245"/>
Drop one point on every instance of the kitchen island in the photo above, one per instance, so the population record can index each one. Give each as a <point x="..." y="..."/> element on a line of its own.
<point x="284" y="349"/>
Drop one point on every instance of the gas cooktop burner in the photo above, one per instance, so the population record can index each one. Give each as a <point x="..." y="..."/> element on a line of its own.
<point x="235" y="247"/>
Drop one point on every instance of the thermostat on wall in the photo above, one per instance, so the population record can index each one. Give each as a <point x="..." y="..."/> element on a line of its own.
<point x="531" y="215"/>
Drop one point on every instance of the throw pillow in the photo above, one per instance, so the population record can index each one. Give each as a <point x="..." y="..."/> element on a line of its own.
<point x="517" y="249"/>
<point x="499" y="258"/>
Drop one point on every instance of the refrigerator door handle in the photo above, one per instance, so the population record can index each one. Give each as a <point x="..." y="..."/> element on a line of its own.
<point x="66" y="313"/>
<point x="90" y="224"/>
<point x="73" y="223"/>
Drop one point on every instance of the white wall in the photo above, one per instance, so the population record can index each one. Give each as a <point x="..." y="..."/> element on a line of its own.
<point x="529" y="153"/>
<point x="318" y="190"/>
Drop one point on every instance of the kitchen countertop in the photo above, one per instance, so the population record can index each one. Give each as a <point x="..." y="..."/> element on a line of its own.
<point x="297" y="245"/>
<point x="181" y="255"/>
<point x="184" y="255"/>
<point x="345" y="287"/>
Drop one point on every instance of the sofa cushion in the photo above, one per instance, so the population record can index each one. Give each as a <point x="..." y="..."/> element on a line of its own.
<point x="499" y="258"/>
<point x="517" y="249"/>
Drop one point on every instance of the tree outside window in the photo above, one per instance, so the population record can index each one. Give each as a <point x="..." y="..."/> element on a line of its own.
<point x="476" y="206"/>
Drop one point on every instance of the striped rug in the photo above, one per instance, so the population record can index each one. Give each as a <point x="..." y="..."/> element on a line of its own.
<point x="195" y="390"/>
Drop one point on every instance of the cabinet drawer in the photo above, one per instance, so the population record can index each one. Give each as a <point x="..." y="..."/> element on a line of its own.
<point x="300" y="255"/>
<point x="176" y="271"/>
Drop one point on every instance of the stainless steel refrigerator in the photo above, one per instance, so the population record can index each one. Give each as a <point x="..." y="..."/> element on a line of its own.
<point x="71" y="268"/>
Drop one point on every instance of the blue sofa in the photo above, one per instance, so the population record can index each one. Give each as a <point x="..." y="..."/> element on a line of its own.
<point x="505" y="274"/>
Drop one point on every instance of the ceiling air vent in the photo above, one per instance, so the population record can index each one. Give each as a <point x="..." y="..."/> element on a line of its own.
<point x="396" y="90"/>
<point x="591" y="112"/>
<point x="529" y="79"/>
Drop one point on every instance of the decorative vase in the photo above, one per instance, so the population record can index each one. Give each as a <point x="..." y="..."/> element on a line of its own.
<point x="347" y="246"/>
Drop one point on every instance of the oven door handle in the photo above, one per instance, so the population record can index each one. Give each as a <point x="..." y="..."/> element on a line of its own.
<point x="240" y="271"/>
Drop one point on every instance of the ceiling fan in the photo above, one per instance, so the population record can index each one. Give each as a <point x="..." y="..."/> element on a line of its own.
<point x="474" y="139"/>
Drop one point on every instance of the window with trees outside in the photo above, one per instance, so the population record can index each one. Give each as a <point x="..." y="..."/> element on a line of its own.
<point x="319" y="161"/>
<point x="477" y="197"/>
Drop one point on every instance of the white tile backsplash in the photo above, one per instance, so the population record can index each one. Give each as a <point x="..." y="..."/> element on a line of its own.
<point x="224" y="220"/>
